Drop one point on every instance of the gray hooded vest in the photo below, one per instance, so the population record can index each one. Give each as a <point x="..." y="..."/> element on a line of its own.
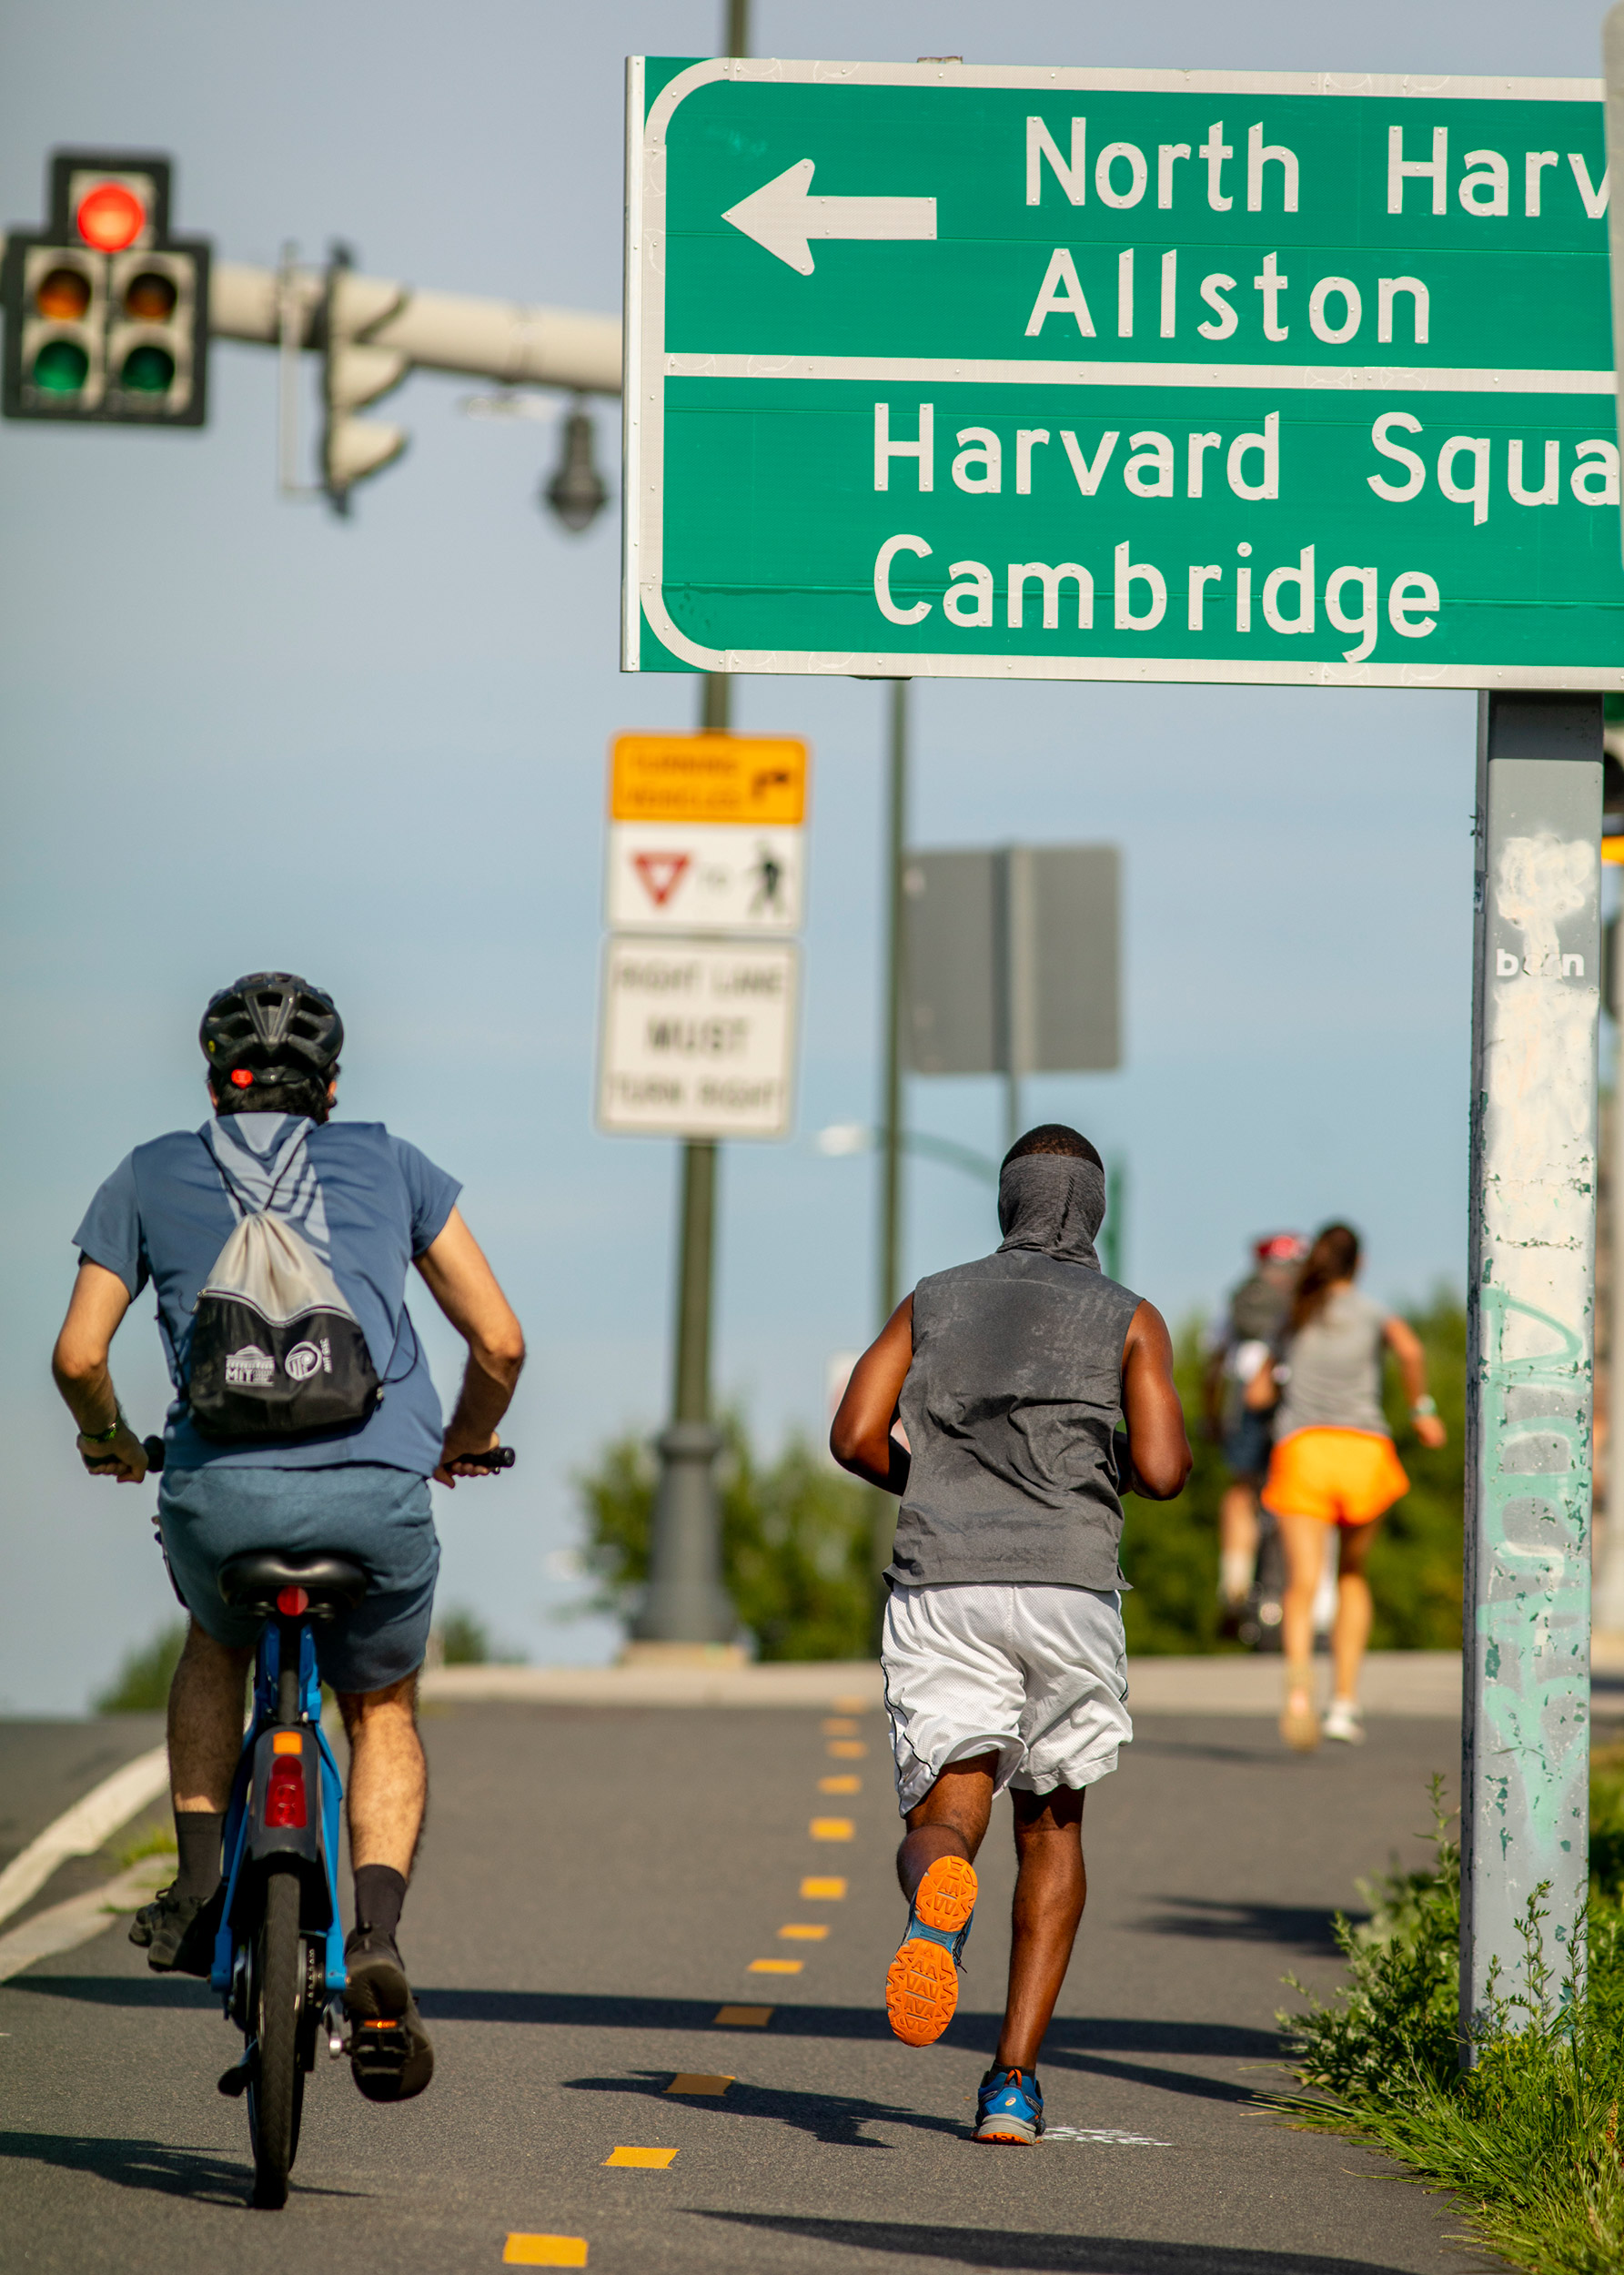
<point x="1014" y="1392"/>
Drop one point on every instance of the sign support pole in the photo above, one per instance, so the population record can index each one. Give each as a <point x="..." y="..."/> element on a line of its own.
<point x="891" y="1135"/>
<point x="1530" y="1303"/>
<point x="687" y="1603"/>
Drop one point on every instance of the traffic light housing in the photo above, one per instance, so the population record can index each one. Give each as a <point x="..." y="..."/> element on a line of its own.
<point x="355" y="369"/>
<point x="106" y="313"/>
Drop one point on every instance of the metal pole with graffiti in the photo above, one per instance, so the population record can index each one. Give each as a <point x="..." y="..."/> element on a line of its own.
<point x="1532" y="1300"/>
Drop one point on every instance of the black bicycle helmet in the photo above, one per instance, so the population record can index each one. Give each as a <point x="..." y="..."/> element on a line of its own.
<point x="271" y="1029"/>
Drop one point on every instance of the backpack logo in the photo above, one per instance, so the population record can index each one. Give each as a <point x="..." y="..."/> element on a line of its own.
<point x="308" y="1358"/>
<point x="250" y="1369"/>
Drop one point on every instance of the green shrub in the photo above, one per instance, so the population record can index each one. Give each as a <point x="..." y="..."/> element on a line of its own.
<point x="141" y="1686"/>
<point x="795" y="1541"/>
<point x="465" y="1640"/>
<point x="1529" y="2137"/>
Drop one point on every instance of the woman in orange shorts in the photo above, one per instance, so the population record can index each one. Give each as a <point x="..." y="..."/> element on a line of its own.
<point x="1333" y="1464"/>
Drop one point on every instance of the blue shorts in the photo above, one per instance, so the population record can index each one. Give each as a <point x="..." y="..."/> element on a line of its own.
<point x="380" y="1517"/>
<point x="1247" y="1445"/>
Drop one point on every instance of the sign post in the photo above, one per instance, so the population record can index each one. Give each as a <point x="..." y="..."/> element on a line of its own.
<point x="705" y="879"/>
<point x="1524" y="1814"/>
<point x="990" y="372"/>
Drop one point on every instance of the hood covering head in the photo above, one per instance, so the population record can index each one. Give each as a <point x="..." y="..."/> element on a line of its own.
<point x="1054" y="1203"/>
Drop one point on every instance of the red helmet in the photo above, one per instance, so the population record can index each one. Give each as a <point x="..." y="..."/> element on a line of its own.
<point x="1281" y="1248"/>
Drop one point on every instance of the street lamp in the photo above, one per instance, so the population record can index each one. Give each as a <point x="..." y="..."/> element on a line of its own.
<point x="578" y="492"/>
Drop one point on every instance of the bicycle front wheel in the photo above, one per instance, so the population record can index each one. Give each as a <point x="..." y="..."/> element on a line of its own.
<point x="277" y="2088"/>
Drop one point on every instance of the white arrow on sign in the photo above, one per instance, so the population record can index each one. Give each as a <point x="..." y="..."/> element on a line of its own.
<point x="782" y="217"/>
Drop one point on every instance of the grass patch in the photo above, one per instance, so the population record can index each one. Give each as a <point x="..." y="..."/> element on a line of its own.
<point x="1528" y="2139"/>
<point x="159" y="1840"/>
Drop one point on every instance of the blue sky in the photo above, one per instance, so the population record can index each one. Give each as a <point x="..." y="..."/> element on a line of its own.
<point x="240" y="733"/>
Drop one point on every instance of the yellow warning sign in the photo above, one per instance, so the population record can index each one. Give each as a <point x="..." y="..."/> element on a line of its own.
<point x="708" y="778"/>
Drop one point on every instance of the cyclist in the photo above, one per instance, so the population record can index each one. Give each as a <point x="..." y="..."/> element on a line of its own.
<point x="1256" y="1315"/>
<point x="1004" y="1652"/>
<point x="369" y="1205"/>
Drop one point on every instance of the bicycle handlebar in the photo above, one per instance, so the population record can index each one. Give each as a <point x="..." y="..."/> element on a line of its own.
<point x="497" y="1458"/>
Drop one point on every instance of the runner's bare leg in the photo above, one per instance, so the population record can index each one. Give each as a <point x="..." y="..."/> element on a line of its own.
<point x="1050" y="1889"/>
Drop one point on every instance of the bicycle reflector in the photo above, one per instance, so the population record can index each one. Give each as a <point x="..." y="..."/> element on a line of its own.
<point x="291" y="1601"/>
<point x="285" y="1793"/>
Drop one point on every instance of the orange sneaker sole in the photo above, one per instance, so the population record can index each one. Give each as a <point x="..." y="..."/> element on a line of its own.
<point x="922" y="1986"/>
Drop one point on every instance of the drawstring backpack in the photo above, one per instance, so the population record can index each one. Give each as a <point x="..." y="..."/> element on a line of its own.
<point x="276" y="1353"/>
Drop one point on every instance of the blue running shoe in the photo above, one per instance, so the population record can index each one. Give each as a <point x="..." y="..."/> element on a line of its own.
<point x="1009" y="2107"/>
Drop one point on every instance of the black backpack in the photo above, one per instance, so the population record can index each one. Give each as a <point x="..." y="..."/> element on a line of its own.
<point x="276" y="1353"/>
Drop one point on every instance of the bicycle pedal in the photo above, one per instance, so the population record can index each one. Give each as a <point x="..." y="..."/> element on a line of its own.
<point x="238" y="2079"/>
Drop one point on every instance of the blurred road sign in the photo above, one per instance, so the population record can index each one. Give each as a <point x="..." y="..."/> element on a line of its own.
<point x="1081" y="374"/>
<point x="739" y="779"/>
<point x="106" y="313"/>
<point x="704" y="833"/>
<point x="704" y="877"/>
<point x="698" y="1038"/>
<point x="1012" y="960"/>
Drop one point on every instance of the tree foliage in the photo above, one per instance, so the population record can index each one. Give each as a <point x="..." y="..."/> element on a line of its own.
<point x="795" y="1541"/>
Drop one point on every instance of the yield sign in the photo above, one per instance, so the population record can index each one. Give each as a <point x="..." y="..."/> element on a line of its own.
<point x="660" y="873"/>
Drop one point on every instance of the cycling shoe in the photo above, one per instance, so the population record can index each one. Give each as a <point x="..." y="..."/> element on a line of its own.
<point x="390" y="2057"/>
<point x="178" y="1932"/>
<point x="1009" y="2107"/>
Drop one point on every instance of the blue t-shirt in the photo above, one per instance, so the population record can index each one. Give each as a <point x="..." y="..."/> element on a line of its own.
<point x="368" y="1203"/>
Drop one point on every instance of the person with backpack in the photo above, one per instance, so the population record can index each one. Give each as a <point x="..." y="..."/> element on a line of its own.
<point x="305" y="1418"/>
<point x="1004" y="1654"/>
<point x="1334" y="1466"/>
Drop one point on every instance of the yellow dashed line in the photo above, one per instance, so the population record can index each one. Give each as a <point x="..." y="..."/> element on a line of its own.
<point x="845" y="1749"/>
<point x="823" y="1891"/>
<point x="699" y="2081"/>
<point x="839" y="1784"/>
<point x="545" y="2251"/>
<point x="743" y="2018"/>
<point x="775" y="1966"/>
<point x="832" y="1829"/>
<point x="837" y="1726"/>
<point x="650" y="2159"/>
<point x="801" y="1931"/>
<point x="851" y="1705"/>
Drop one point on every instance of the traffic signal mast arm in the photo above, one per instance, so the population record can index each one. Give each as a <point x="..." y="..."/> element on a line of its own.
<point x="434" y="331"/>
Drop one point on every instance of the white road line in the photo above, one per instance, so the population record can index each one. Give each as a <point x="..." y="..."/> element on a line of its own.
<point x="81" y="1830"/>
<point x="67" y="1926"/>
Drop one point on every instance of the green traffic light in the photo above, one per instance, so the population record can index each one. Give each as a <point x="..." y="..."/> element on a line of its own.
<point x="147" y="370"/>
<point x="61" y="368"/>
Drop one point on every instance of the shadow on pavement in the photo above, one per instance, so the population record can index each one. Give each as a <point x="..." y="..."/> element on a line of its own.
<point x="1295" y="1927"/>
<point x="832" y="2117"/>
<point x="1138" y="2074"/>
<point x="195" y="2174"/>
<point x="1065" y="2255"/>
<point x="121" y="1990"/>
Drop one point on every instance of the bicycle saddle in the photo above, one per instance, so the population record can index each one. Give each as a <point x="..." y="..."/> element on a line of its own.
<point x="252" y="1582"/>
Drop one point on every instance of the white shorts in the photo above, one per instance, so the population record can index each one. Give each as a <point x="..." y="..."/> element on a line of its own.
<point x="1039" y="1674"/>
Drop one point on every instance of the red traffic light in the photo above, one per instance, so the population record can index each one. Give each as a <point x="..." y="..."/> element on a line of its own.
<point x="110" y="217"/>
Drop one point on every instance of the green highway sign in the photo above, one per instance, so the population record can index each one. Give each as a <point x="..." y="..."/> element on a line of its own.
<point x="1060" y="374"/>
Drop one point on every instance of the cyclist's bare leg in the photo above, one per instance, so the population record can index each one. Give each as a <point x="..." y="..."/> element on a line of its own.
<point x="206" y="1720"/>
<point x="388" y="1777"/>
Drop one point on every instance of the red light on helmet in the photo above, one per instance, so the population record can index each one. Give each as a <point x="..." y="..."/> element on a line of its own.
<point x="110" y="217"/>
<point x="242" y="1077"/>
<point x="292" y="1601"/>
<point x="284" y="1808"/>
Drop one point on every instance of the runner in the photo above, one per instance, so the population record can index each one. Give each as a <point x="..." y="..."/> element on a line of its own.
<point x="364" y="1203"/>
<point x="1004" y="1654"/>
<point x="1334" y="1464"/>
<point x="1258" y="1310"/>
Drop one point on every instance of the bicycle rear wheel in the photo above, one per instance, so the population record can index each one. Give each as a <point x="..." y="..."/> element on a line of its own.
<point x="277" y="2089"/>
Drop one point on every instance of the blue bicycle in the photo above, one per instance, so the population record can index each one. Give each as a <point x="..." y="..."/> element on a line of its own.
<point x="278" y="1957"/>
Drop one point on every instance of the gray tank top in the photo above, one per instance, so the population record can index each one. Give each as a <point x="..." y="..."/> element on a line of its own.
<point x="1009" y="1406"/>
<point x="1335" y="1381"/>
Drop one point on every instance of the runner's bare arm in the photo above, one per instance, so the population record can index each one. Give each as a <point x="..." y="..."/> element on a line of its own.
<point x="462" y="1283"/>
<point x="1406" y="1347"/>
<point x="79" y="1364"/>
<point x="860" y="1439"/>
<point x="1159" y="1452"/>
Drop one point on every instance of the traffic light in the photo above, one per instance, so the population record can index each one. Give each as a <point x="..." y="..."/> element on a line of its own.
<point x="106" y="315"/>
<point x="356" y="370"/>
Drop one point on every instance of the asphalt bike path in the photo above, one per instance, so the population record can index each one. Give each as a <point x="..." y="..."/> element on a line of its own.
<point x="598" y="1886"/>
